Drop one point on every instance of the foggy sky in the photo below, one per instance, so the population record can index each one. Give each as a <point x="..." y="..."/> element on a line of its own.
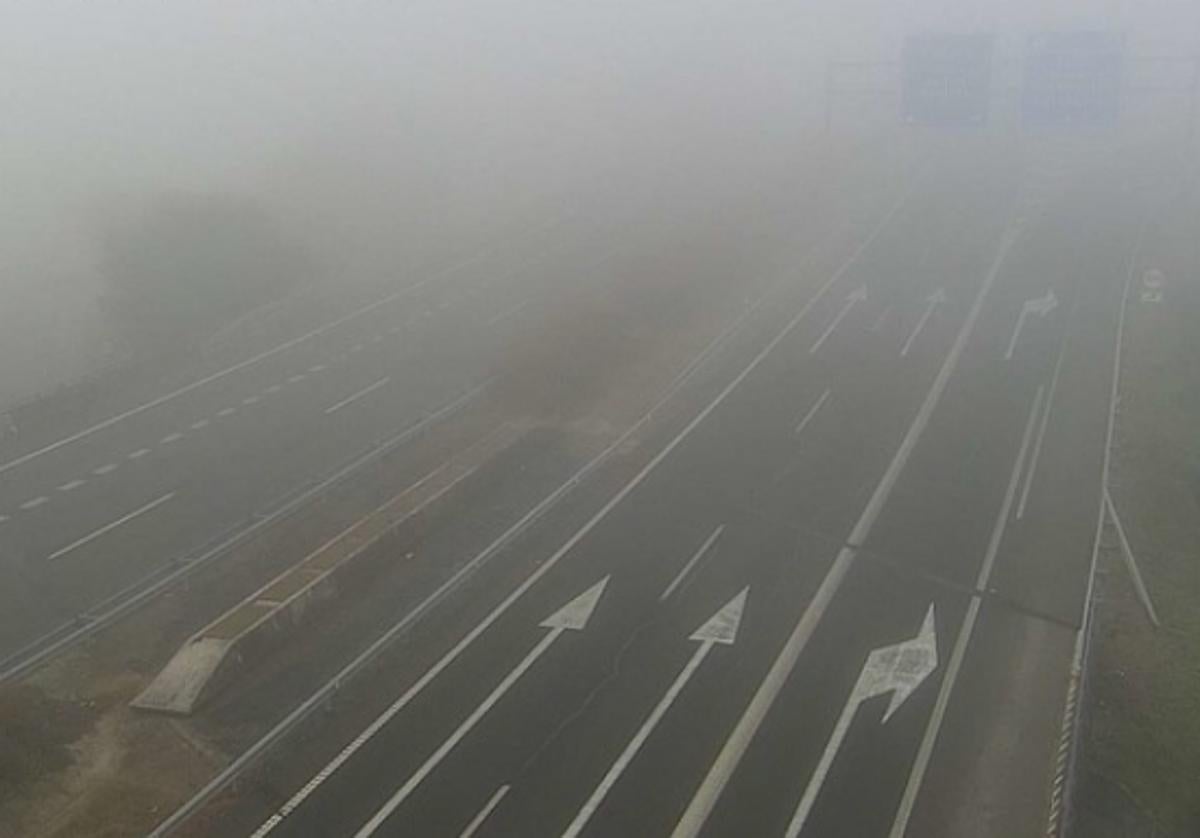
<point x="329" y="110"/>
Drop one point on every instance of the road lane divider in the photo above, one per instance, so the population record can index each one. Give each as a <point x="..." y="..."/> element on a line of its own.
<point x="107" y="528"/>
<point x="255" y="628"/>
<point x="351" y="399"/>
<point x="692" y="562"/>
<point x="721" y="628"/>
<point x="812" y="412"/>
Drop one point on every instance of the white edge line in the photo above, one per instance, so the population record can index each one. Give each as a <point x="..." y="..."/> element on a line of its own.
<point x="933" y="728"/>
<point x="687" y="568"/>
<point x="111" y="526"/>
<point x="356" y="396"/>
<point x="485" y="812"/>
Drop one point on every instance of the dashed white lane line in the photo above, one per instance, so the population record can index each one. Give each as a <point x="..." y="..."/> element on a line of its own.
<point x="107" y="468"/>
<point x="356" y="396"/>
<point x="696" y="557"/>
<point x="317" y="368"/>
<point x="250" y="400"/>
<point x="199" y="424"/>
<point x="394" y="330"/>
<point x="812" y="413"/>
<point x="226" y="411"/>
<point x="296" y="379"/>
<point x="3" y="518"/>
<point x="71" y="485"/>
<point x="142" y="510"/>
<point x="35" y="503"/>
<point x="169" y="438"/>
<point x="274" y="388"/>
<point x="138" y="454"/>
<point x="376" y="338"/>
<point x="358" y="347"/>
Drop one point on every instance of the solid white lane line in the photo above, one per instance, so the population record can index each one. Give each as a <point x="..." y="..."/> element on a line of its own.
<point x="545" y="567"/>
<point x="107" y="468"/>
<point x="950" y="677"/>
<point x="34" y="503"/>
<point x="402" y="794"/>
<point x="169" y="438"/>
<point x="687" y="568"/>
<point x="138" y="454"/>
<point x="199" y="424"/>
<point x="249" y="400"/>
<point x="71" y="485"/>
<point x="226" y="411"/>
<point x="283" y="347"/>
<point x="370" y="388"/>
<point x="1031" y="472"/>
<point x="812" y="413"/>
<point x="485" y="812"/>
<point x="735" y="747"/>
<point x="111" y="526"/>
<point x="622" y="762"/>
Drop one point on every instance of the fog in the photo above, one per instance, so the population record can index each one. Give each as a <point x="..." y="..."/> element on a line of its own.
<point x="387" y="136"/>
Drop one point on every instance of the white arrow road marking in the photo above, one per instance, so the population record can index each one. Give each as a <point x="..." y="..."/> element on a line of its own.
<point x="959" y="653"/>
<point x="370" y="388"/>
<point x="935" y="300"/>
<point x="111" y="526"/>
<point x="1041" y="306"/>
<point x="696" y="557"/>
<point x="736" y="745"/>
<point x="812" y="412"/>
<point x="721" y="628"/>
<point x="571" y="617"/>
<point x="485" y="812"/>
<point x="854" y="298"/>
<point x="897" y="669"/>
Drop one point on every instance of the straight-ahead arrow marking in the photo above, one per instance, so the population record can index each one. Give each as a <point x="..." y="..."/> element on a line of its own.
<point x="854" y="298"/>
<point x="897" y="669"/>
<point x="1041" y="306"/>
<point x="571" y="617"/>
<point x="721" y="628"/>
<point x="935" y="300"/>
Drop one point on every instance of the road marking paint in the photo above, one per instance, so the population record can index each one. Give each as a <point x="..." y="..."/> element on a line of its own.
<point x="1041" y="306"/>
<point x="169" y="438"/>
<point x="1139" y="584"/>
<point x="504" y="315"/>
<point x="3" y="518"/>
<point x="34" y="503"/>
<point x="485" y="812"/>
<point x="296" y="379"/>
<point x="812" y="413"/>
<point x="226" y="411"/>
<point x="283" y="347"/>
<point x="687" y="568"/>
<point x="573" y="616"/>
<point x="111" y="526"/>
<point x="720" y="628"/>
<point x="934" y="726"/>
<point x="249" y="400"/>
<point x="852" y="300"/>
<point x="138" y="454"/>
<point x="935" y="300"/>
<point x="396" y="330"/>
<point x="358" y="347"/>
<point x="317" y="368"/>
<point x="199" y="424"/>
<point x="376" y="338"/>
<point x="370" y="388"/>
<point x="735" y="747"/>
<point x="71" y="485"/>
<point x="107" y="468"/>
<point x="274" y="388"/>
<point x="879" y="321"/>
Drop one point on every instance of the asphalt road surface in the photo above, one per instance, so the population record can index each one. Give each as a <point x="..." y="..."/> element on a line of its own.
<point x="839" y="600"/>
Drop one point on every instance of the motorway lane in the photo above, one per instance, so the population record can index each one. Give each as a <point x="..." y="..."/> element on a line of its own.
<point x="242" y="442"/>
<point x="624" y="540"/>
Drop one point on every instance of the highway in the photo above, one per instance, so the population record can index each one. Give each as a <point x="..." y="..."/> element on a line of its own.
<point x="838" y="596"/>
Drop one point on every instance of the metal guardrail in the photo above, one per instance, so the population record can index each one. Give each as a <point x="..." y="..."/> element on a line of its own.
<point x="177" y="569"/>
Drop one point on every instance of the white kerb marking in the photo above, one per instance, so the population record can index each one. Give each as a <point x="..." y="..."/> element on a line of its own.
<point x="727" y="760"/>
<point x="349" y="400"/>
<point x="687" y="568"/>
<point x="142" y="510"/>
<point x="107" y="468"/>
<point x="720" y="628"/>
<point x="934" y="726"/>
<point x="172" y="437"/>
<point x="812" y="413"/>
<point x="485" y="812"/>
<point x="852" y="300"/>
<point x="71" y="485"/>
<point x="572" y="617"/>
<point x="897" y="669"/>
